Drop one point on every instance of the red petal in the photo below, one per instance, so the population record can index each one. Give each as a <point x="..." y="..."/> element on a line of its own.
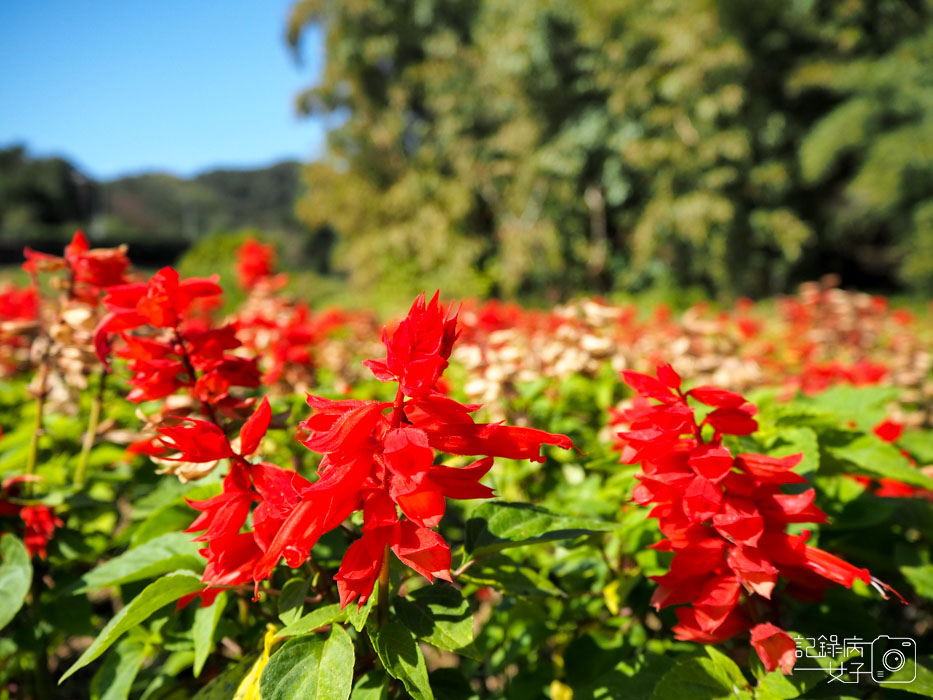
<point x="423" y="550"/>
<point x="647" y="385"/>
<point x="714" y="396"/>
<point x="494" y="440"/>
<point x="775" y="647"/>
<point x="463" y="482"/>
<point x="711" y="462"/>
<point x="668" y="376"/>
<point x="349" y="431"/>
<point x="255" y="428"/>
<point x="732" y="421"/>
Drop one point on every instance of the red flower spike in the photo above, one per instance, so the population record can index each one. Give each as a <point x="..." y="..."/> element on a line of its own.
<point x="255" y="428"/>
<point x="775" y="647"/>
<point x="723" y="518"/>
<point x="255" y="263"/>
<point x="417" y="352"/>
<point x="40" y="522"/>
<point x="377" y="456"/>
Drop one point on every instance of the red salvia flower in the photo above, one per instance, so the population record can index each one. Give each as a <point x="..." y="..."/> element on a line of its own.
<point x="723" y="516"/>
<point x="39" y="520"/>
<point x="255" y="263"/>
<point x="378" y="458"/>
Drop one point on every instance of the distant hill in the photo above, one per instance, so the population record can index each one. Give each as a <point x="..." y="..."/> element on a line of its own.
<point x="43" y="200"/>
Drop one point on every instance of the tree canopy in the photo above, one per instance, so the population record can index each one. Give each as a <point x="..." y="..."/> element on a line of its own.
<point x="544" y="147"/>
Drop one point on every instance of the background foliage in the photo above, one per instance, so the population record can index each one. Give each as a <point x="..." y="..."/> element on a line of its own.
<point x="541" y="147"/>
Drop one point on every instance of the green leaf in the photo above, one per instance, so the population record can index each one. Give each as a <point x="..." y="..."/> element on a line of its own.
<point x="783" y="441"/>
<point x="866" y="405"/>
<point x="317" y="618"/>
<point x="225" y="685"/>
<point x="114" y="679"/>
<point x="373" y="686"/>
<point x="622" y="681"/>
<point x="15" y="577"/>
<point x="292" y="600"/>
<point x="440" y="616"/>
<point x="916" y="677"/>
<point x="701" y="678"/>
<point x="919" y="443"/>
<point x="498" y="525"/>
<point x="205" y="624"/>
<point x="165" y="590"/>
<point x="921" y="578"/>
<point x="504" y="573"/>
<point x="171" y="552"/>
<point x="402" y="658"/>
<point x="451" y="684"/>
<point x="311" y="668"/>
<point x="870" y="455"/>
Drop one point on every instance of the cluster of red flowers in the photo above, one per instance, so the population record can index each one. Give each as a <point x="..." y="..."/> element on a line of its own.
<point x="177" y="350"/>
<point x="255" y="265"/>
<point x="286" y="335"/>
<point x="723" y="516"/>
<point x="19" y="310"/>
<point x="188" y="355"/>
<point x="39" y="520"/>
<point x="89" y="269"/>
<point x="378" y="457"/>
<point x="18" y="304"/>
<point x="87" y="272"/>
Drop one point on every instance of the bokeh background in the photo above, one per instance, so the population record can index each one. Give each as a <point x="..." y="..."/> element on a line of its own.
<point x="535" y="150"/>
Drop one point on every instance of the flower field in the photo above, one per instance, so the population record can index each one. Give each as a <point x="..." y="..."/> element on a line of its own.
<point x="468" y="500"/>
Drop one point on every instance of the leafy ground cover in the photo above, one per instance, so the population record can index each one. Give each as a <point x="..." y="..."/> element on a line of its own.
<point x="465" y="501"/>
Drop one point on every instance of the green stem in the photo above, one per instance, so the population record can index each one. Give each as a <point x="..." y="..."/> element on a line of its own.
<point x="383" y="601"/>
<point x="321" y="580"/>
<point x="41" y="676"/>
<point x="92" y="424"/>
<point x="32" y="456"/>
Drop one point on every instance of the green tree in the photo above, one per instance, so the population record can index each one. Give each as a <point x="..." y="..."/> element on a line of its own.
<point x="542" y="147"/>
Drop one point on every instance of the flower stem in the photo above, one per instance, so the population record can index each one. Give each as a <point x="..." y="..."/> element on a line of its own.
<point x="384" y="589"/>
<point x="92" y="424"/>
<point x="32" y="456"/>
<point x="193" y="375"/>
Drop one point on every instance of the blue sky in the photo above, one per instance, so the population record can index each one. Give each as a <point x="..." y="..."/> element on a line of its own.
<point x="180" y="86"/>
